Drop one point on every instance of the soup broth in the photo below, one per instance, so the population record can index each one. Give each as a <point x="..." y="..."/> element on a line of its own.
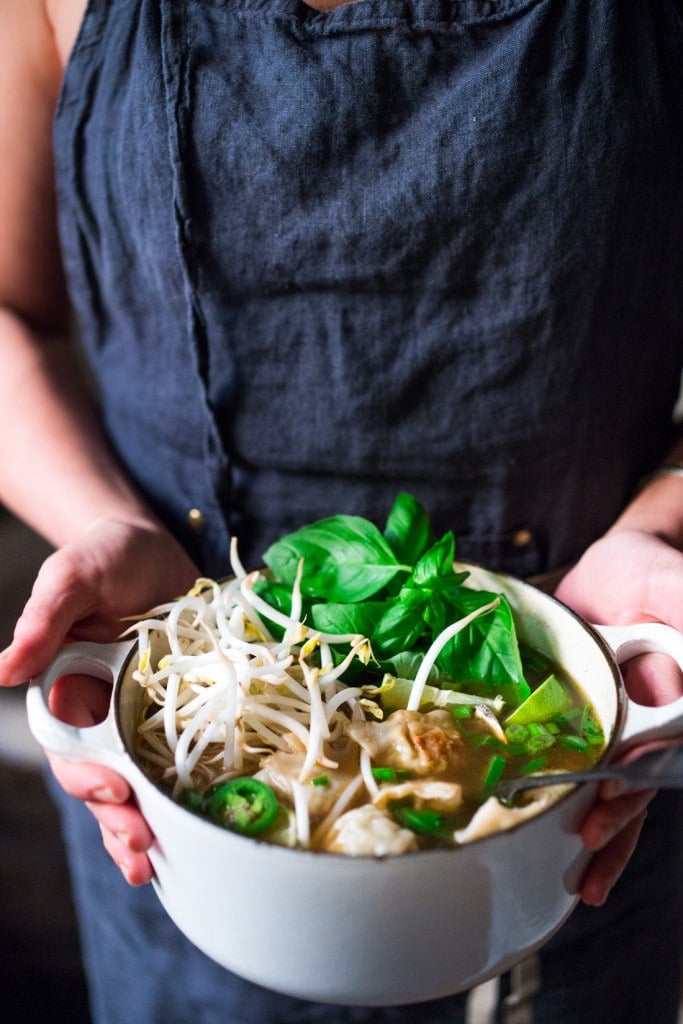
<point x="261" y="737"/>
<point x="357" y="695"/>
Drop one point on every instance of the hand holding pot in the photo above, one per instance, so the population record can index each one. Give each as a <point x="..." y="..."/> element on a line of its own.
<point x="628" y="576"/>
<point x="82" y="591"/>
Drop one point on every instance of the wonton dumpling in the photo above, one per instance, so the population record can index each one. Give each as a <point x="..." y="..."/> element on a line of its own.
<point x="278" y="770"/>
<point x="426" y="744"/>
<point x="444" y="797"/>
<point x="493" y="816"/>
<point x="367" y="831"/>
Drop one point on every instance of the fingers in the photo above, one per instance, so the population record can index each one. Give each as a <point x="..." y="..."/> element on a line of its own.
<point x="611" y="831"/>
<point x="135" y="867"/>
<point x="83" y="701"/>
<point x="125" y="833"/>
<point x="89" y="782"/>
<point x="125" y="823"/>
<point x="609" y="817"/>
<point x="653" y="679"/>
<point x="608" y="864"/>
<point x="80" y="700"/>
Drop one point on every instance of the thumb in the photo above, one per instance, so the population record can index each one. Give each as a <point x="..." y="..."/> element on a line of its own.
<point x="53" y="608"/>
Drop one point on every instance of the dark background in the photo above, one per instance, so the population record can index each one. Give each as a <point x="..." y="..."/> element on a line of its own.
<point x="40" y="971"/>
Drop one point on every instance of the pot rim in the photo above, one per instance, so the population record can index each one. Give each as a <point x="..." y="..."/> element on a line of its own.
<point x="610" y="745"/>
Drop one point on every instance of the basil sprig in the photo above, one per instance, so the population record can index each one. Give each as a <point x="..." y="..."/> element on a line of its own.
<point x="399" y="589"/>
<point x="346" y="558"/>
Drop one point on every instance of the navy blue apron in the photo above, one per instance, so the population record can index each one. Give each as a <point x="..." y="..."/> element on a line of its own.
<point x="420" y="245"/>
<point x="430" y="245"/>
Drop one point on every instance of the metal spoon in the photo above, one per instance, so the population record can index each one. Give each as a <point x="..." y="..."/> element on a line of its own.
<point x="658" y="769"/>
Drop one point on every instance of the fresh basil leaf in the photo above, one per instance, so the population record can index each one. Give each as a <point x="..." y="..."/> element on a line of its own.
<point x="438" y="615"/>
<point x="279" y="597"/>
<point x="346" y="559"/>
<point x="408" y="529"/>
<point x="436" y="563"/>
<point x="402" y="624"/>
<point x="487" y="651"/>
<point x="361" y="617"/>
<point x="446" y="585"/>
<point x="406" y="664"/>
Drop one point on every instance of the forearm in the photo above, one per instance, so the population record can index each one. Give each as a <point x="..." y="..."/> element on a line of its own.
<point x="57" y="471"/>
<point x="658" y="507"/>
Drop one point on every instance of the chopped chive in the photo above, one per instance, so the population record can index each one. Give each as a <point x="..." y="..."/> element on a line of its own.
<point x="514" y="749"/>
<point x="591" y="729"/>
<point x="390" y="774"/>
<point x="539" y="739"/>
<point x="477" y="740"/>
<point x="569" y="719"/>
<point x="572" y="742"/>
<point x="461" y="710"/>
<point x="424" y="820"/>
<point x="533" y="766"/>
<point x="495" y="770"/>
<point x="516" y="733"/>
<point x="321" y="780"/>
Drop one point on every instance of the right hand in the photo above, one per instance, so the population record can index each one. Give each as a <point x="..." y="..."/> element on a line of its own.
<point x="83" y="591"/>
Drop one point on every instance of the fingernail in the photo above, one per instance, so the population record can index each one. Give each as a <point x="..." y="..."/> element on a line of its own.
<point x="124" y="839"/>
<point x="613" y="788"/>
<point x="124" y="869"/>
<point x="104" y="795"/>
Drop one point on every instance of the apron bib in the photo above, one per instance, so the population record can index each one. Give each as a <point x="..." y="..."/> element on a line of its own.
<point x="409" y="244"/>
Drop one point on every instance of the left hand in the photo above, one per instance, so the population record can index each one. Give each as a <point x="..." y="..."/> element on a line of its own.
<point x="628" y="576"/>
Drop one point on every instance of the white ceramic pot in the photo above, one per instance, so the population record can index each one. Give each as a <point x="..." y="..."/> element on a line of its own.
<point x="360" y="930"/>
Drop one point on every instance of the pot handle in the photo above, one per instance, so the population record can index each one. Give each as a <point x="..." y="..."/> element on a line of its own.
<point x="99" y="744"/>
<point x="643" y="724"/>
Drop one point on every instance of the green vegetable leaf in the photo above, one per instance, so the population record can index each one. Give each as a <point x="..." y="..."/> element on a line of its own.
<point x="346" y="559"/>
<point x="487" y="652"/>
<point x="407" y="664"/>
<point x="279" y="597"/>
<point x="407" y="589"/>
<point x="408" y="529"/>
<point x="347" y="618"/>
<point x="402" y="623"/>
<point x="436" y="563"/>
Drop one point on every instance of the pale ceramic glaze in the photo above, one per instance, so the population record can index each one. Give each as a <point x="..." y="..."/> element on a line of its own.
<point x="361" y="930"/>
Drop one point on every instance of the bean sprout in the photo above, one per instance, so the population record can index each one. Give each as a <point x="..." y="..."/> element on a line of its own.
<point x="222" y="691"/>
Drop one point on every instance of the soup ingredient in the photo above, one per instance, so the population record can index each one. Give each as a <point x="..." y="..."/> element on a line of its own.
<point x="494" y="816"/>
<point x="351" y="581"/>
<point x="545" y="703"/>
<point x="422" y="743"/>
<point x="367" y="831"/>
<point x="346" y="559"/>
<point x="354" y="740"/>
<point x="245" y="805"/>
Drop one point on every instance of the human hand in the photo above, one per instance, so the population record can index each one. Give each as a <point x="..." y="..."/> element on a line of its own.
<point x="82" y="592"/>
<point x="627" y="576"/>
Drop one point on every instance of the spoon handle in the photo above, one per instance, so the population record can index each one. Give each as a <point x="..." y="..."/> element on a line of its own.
<point x="662" y="769"/>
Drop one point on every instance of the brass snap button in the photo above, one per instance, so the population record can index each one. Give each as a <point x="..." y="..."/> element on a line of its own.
<point x="195" y="519"/>
<point x="522" y="538"/>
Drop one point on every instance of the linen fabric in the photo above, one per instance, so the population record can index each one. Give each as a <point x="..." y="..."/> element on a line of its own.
<point x="410" y="244"/>
<point x="317" y="259"/>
